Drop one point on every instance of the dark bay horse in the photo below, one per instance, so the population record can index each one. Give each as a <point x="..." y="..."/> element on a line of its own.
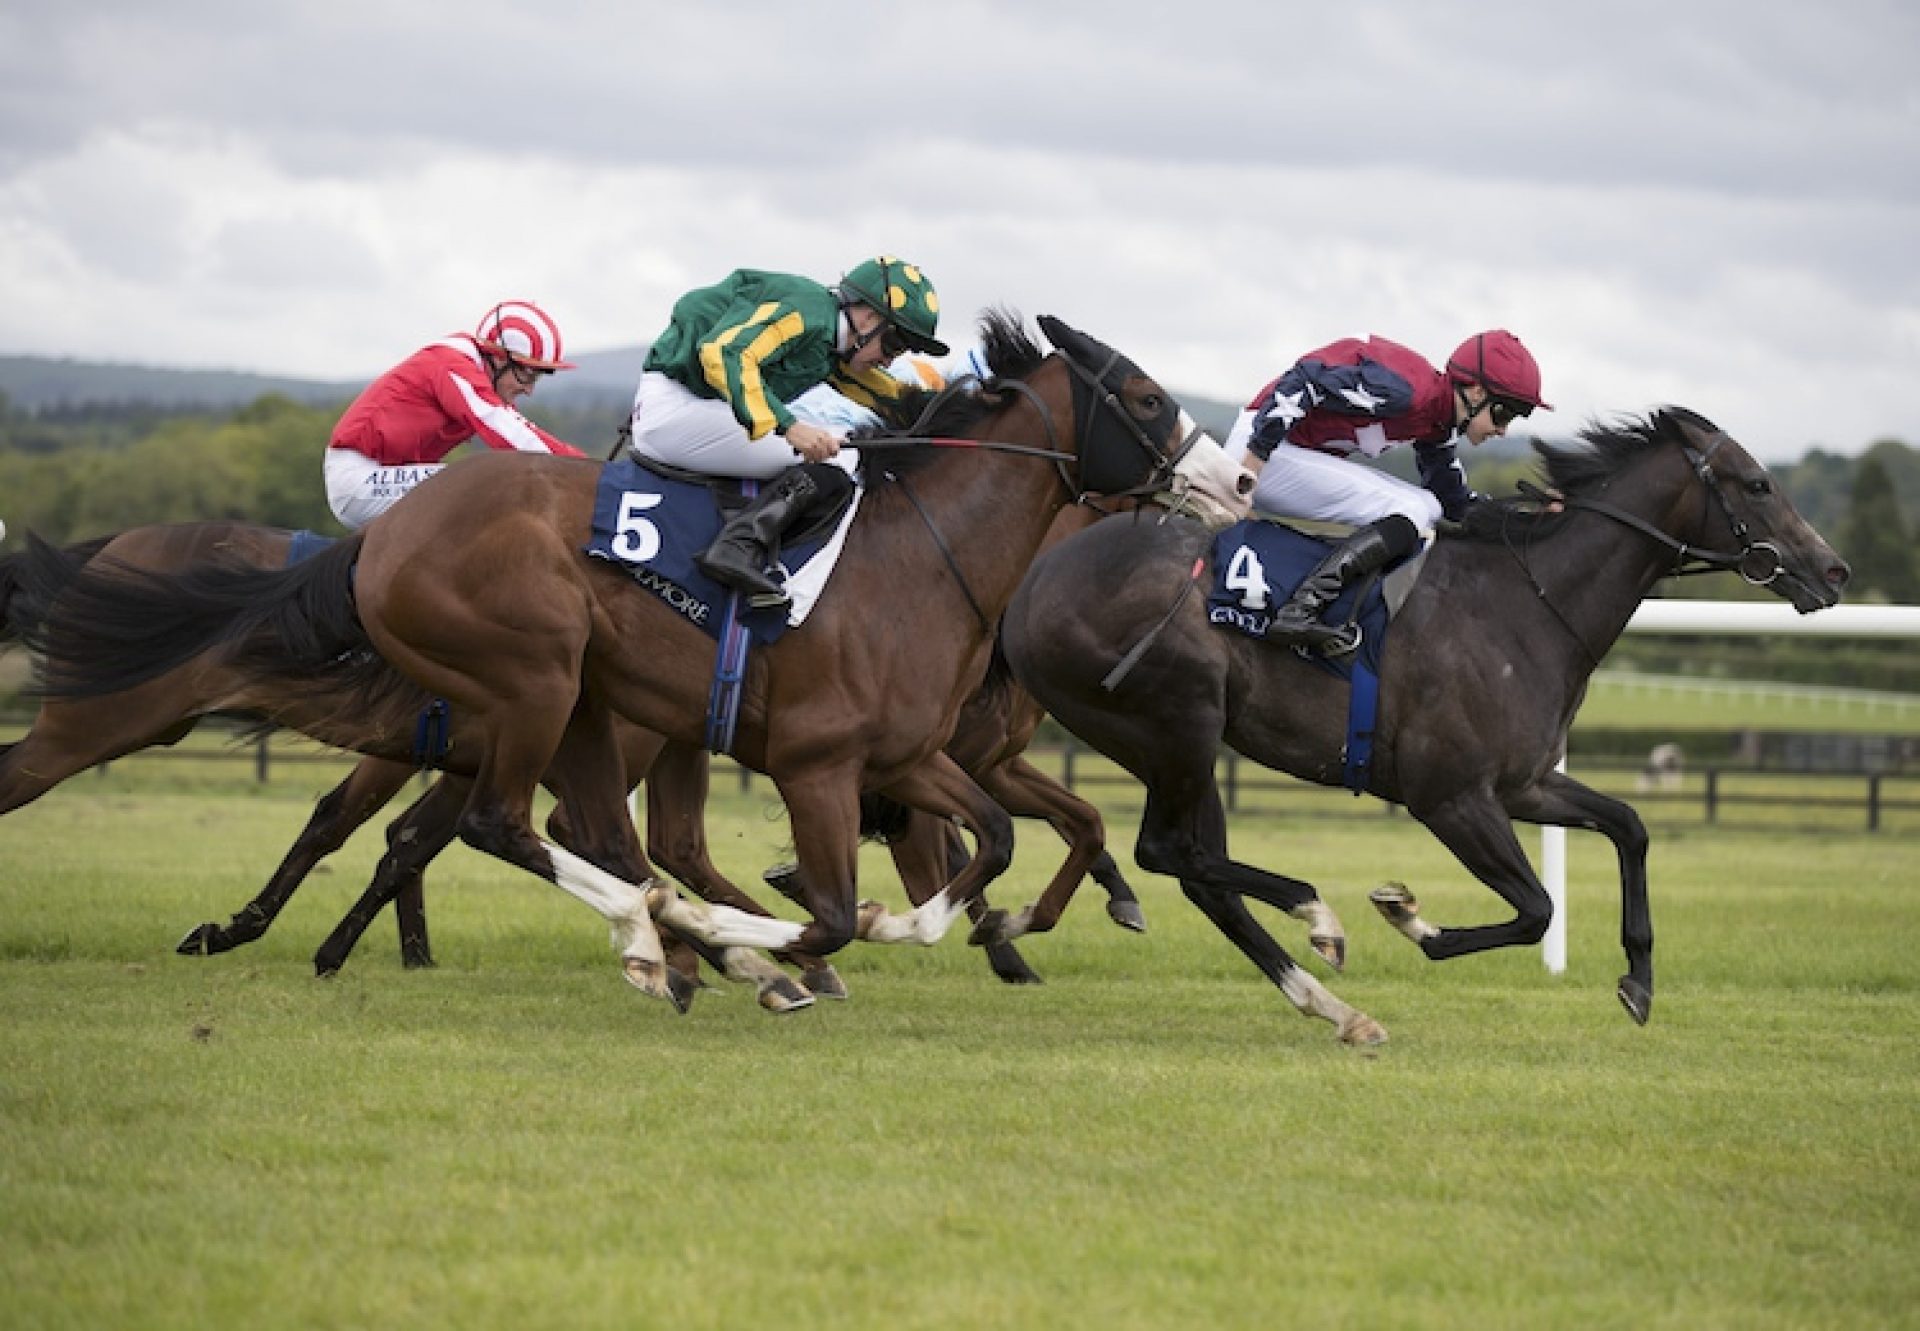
<point x="71" y="735"/>
<point x="475" y="589"/>
<point x="1482" y="673"/>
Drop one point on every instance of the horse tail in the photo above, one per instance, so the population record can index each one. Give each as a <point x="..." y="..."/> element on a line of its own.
<point x="102" y="626"/>
<point x="996" y="689"/>
<point x="11" y="588"/>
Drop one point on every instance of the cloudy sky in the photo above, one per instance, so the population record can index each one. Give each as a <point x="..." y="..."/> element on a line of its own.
<point x="1709" y="202"/>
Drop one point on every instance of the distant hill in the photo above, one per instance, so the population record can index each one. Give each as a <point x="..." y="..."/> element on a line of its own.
<point x="41" y="384"/>
<point x="600" y="379"/>
<point x="601" y="389"/>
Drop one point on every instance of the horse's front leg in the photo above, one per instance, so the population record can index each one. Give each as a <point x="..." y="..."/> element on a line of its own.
<point x="1560" y="801"/>
<point x="1479" y="832"/>
<point x="940" y="786"/>
<point x="677" y="778"/>
<point x="823" y="807"/>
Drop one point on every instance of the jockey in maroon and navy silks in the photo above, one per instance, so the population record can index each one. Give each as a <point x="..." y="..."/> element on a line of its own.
<point x="1363" y="396"/>
<point x="433" y="401"/>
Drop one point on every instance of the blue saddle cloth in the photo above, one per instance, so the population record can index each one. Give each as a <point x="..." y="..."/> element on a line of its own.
<point x="1256" y="566"/>
<point x="652" y="527"/>
<point x="305" y="545"/>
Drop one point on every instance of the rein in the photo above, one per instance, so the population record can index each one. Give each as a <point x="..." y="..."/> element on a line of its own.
<point x="1688" y="560"/>
<point x="1102" y="396"/>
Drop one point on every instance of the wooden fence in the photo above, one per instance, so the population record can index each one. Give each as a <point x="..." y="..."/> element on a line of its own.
<point x="1733" y="795"/>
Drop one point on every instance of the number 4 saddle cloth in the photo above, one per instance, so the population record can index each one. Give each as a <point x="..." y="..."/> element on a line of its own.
<point x="1257" y="564"/>
<point x="652" y="525"/>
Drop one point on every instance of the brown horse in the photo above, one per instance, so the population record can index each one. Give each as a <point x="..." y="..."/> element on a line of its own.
<point x="72" y="734"/>
<point x="476" y="590"/>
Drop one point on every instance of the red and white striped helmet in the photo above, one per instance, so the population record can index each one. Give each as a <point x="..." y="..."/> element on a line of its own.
<point x="523" y="332"/>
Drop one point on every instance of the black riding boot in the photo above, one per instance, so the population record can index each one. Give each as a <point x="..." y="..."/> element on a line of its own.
<point x="1369" y="549"/>
<point x="747" y="546"/>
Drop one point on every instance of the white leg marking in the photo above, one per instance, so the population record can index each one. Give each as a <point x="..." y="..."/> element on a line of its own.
<point x="1316" y="1000"/>
<point x="925" y="925"/>
<point x="722" y="926"/>
<point x="623" y="904"/>
<point x="1402" y="910"/>
<point x="1319" y="918"/>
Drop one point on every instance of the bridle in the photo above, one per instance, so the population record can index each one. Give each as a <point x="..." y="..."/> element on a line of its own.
<point x="1687" y="559"/>
<point x="1089" y="388"/>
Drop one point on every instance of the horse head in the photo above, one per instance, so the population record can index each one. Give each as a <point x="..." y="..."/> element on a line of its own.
<point x="1132" y="432"/>
<point x="1723" y="513"/>
<point x="1772" y="545"/>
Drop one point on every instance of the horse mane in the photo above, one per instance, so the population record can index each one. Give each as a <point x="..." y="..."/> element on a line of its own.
<point x="1580" y="466"/>
<point x="1010" y="353"/>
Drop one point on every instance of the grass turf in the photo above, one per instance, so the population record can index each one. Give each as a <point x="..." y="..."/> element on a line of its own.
<point x="1151" y="1139"/>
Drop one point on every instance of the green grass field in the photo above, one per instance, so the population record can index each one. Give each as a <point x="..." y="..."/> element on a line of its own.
<point x="1151" y="1139"/>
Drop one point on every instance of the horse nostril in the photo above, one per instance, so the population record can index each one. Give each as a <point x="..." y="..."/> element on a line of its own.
<point x="1839" y="575"/>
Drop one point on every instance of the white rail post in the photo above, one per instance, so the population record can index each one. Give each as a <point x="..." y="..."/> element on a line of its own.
<point x="1748" y="618"/>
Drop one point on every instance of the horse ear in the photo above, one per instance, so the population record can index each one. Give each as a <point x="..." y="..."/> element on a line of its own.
<point x="1691" y="424"/>
<point x="1057" y="332"/>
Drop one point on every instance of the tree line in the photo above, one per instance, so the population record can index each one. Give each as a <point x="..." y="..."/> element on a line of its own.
<point x="86" y="470"/>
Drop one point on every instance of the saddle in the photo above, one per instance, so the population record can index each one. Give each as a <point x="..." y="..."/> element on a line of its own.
<point x="650" y="521"/>
<point x="1258" y="563"/>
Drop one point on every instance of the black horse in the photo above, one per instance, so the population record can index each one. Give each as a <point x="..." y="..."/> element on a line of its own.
<point x="1482" y="673"/>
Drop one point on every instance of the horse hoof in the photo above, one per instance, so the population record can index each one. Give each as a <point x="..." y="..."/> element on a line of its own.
<point x="1010" y="967"/>
<point x="783" y="995"/>
<point x="680" y="990"/>
<point x="418" y="961"/>
<point x="785" y="879"/>
<point x="199" y="941"/>
<point x="989" y="929"/>
<point x="1332" y="949"/>
<point x="1636" y="998"/>
<point x="1362" y="1029"/>
<point x="324" y="970"/>
<point x="1396" y="902"/>
<point x="649" y="977"/>
<point x="824" y="982"/>
<point x="1128" y="915"/>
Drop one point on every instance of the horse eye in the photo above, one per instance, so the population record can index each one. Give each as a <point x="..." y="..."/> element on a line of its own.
<point x="1152" y="402"/>
<point x="1760" y="487"/>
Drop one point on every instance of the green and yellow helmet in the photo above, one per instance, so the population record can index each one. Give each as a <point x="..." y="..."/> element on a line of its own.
<point x="903" y="296"/>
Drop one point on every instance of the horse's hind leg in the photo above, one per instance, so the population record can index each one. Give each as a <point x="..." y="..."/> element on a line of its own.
<point x="1560" y="801"/>
<point x="1183" y="834"/>
<point x="337" y="815"/>
<point x="415" y="838"/>
<point x="1231" y="917"/>
<point x="1024" y="791"/>
<point x="929" y="855"/>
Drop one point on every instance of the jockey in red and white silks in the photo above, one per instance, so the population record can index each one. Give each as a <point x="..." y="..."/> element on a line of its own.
<point x="396" y="433"/>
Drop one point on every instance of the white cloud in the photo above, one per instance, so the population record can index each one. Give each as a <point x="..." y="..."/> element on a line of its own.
<point x="1709" y="203"/>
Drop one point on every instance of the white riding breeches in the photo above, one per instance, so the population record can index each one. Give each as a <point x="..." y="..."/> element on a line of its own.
<point x="674" y="425"/>
<point x="360" y="489"/>
<point x="1303" y="483"/>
